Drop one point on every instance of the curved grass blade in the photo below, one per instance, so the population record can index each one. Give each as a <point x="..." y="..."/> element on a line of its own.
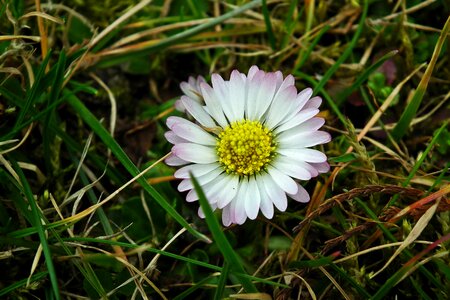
<point x="222" y="243"/>
<point x="410" y="112"/>
<point x="26" y="189"/>
<point x="22" y="282"/>
<point x="270" y="34"/>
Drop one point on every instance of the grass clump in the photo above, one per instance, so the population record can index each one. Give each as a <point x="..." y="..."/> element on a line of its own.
<point x="89" y="210"/>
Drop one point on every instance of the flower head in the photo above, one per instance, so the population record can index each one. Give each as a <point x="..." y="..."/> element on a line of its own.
<point x="248" y="143"/>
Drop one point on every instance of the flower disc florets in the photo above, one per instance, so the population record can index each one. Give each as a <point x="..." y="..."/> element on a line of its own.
<point x="245" y="147"/>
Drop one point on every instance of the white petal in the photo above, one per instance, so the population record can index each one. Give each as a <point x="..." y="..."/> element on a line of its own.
<point x="301" y="195"/>
<point x="196" y="169"/>
<point x="285" y="182"/>
<point x="179" y="105"/>
<point x="296" y="169"/>
<point x="308" y="155"/>
<point x="281" y="106"/>
<point x="252" y="72"/>
<point x="175" y="161"/>
<point x="201" y="214"/>
<point x="237" y="95"/>
<point x="314" y="102"/>
<point x="226" y="216"/>
<point x="195" y="153"/>
<point x="230" y="188"/>
<point x="238" y="203"/>
<point x="253" y="86"/>
<point x="279" y="79"/>
<point x="192" y="196"/>
<point x="298" y="119"/>
<point x="252" y="199"/>
<point x="186" y="184"/>
<point x="265" y="94"/>
<point x="287" y="82"/>
<point x="266" y="205"/>
<point x="321" y="167"/>
<point x="303" y="98"/>
<point x="221" y="89"/>
<point x="172" y="138"/>
<point x="194" y="133"/>
<point x="303" y="139"/>
<point x="223" y="189"/>
<point x="213" y="104"/>
<point x="198" y="112"/>
<point x="274" y="192"/>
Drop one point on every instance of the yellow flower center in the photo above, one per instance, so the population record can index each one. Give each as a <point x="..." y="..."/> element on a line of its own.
<point x="245" y="147"/>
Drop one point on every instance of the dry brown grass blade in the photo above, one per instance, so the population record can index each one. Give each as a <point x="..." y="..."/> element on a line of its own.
<point x="358" y="192"/>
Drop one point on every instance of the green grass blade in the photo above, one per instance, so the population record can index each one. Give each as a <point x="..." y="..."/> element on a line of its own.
<point x="420" y="161"/>
<point x="109" y="141"/>
<point x="218" y="294"/>
<point x="347" y="51"/>
<point x="21" y="283"/>
<point x="410" y="112"/>
<point x="222" y="243"/>
<point x="269" y="29"/>
<point x="176" y="38"/>
<point x="26" y="189"/>
<point x="33" y="92"/>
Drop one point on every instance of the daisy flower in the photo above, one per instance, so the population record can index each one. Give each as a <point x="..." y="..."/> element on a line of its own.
<point x="248" y="143"/>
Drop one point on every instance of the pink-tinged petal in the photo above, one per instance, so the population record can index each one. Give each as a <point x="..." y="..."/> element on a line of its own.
<point x="226" y="216"/>
<point x="196" y="169"/>
<point x="287" y="82"/>
<point x="285" y="182"/>
<point x="175" y="161"/>
<point x="298" y="104"/>
<point x="213" y="104"/>
<point x="172" y="138"/>
<point x="252" y="72"/>
<point x="254" y="85"/>
<point x="195" y="153"/>
<point x="308" y="155"/>
<point x="312" y="124"/>
<point x="301" y="195"/>
<point x="198" y="112"/>
<point x="314" y="102"/>
<point x="279" y="79"/>
<point x="304" y="139"/>
<point x="296" y="169"/>
<point x="266" y="205"/>
<point x="191" y="196"/>
<point x="194" y="133"/>
<point x="179" y="106"/>
<point x="201" y="214"/>
<point x="187" y="184"/>
<point x="222" y="91"/>
<point x="274" y="192"/>
<point x="303" y="98"/>
<point x="237" y="95"/>
<point x="238" y="203"/>
<point x="281" y="106"/>
<point x="230" y="188"/>
<point x="192" y="88"/>
<point x="321" y="167"/>
<point x="252" y="199"/>
<point x="265" y="95"/>
<point x="299" y="118"/>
